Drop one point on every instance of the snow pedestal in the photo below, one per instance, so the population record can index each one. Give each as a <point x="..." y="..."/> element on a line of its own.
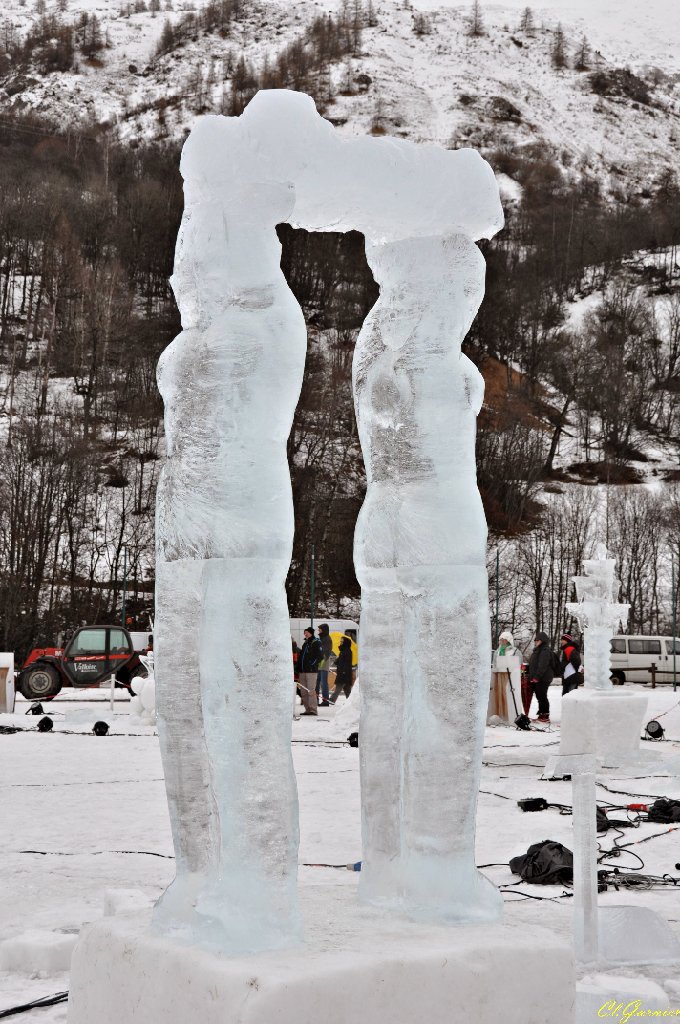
<point x="357" y="966"/>
<point x="603" y="722"/>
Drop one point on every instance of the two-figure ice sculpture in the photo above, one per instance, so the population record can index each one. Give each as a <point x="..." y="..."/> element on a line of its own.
<point x="230" y="383"/>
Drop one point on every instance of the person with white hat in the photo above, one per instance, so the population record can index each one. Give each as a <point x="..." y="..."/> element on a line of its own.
<point x="506" y="644"/>
<point x="505" y="679"/>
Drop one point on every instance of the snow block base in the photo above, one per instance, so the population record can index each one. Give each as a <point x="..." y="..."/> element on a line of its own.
<point x="358" y="966"/>
<point x="607" y="723"/>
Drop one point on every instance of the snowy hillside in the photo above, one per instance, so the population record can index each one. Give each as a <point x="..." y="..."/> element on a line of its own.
<point x="576" y="105"/>
<point x="416" y="73"/>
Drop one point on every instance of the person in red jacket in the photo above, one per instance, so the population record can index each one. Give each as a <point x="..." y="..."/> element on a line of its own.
<point x="570" y="663"/>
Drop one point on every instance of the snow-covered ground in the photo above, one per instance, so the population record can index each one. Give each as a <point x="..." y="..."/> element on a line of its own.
<point x="83" y="815"/>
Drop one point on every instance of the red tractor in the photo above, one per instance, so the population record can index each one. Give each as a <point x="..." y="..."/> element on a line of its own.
<point x="92" y="655"/>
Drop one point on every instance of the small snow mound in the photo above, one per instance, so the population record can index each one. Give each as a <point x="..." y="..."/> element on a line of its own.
<point x="37" y="952"/>
<point x="124" y="901"/>
<point x="346" y="717"/>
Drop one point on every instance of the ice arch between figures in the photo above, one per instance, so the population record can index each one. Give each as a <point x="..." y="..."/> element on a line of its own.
<point x="388" y="189"/>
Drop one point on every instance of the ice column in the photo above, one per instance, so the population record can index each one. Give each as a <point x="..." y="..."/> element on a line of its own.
<point x="230" y="383"/>
<point x="585" y="859"/>
<point x="420" y="557"/>
<point x="598" y="616"/>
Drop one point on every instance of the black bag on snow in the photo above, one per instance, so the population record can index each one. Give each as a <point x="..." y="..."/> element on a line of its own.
<point x="546" y="863"/>
<point x="664" y="811"/>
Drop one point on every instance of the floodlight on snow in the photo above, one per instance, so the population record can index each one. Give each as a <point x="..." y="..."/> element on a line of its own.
<point x="654" y="730"/>
<point x="45" y="724"/>
<point x="100" y="728"/>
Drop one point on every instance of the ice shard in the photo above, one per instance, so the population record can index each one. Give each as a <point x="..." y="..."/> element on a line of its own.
<point x="230" y="383"/>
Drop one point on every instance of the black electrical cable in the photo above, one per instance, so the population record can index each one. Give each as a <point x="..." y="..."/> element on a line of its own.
<point x="620" y="879"/>
<point x="620" y="848"/>
<point x="58" y="997"/>
<point x="97" y="853"/>
<point x="322" y="743"/>
<point x="625" y="792"/>
<point x="616" y="851"/>
<point x="74" y="732"/>
<point x="81" y="782"/>
<point x="524" y="764"/>
<point x="504" y="889"/>
<point x="347" y="867"/>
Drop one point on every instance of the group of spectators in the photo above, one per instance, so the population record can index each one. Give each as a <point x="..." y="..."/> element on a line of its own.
<point x="544" y="666"/>
<point x="311" y="664"/>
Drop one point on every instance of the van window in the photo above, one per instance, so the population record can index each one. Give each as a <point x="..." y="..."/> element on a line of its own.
<point x="618" y="646"/>
<point x="669" y="646"/>
<point x="644" y="646"/>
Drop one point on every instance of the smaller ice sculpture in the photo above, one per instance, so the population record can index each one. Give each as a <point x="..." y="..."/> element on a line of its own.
<point x="598" y="616"/>
<point x="599" y="720"/>
<point x="601" y="726"/>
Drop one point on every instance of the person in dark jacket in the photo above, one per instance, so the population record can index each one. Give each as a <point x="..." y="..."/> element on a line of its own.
<point x="570" y="663"/>
<point x="541" y="674"/>
<point x="308" y="665"/>
<point x="343" y="670"/>
<point x="324" y="664"/>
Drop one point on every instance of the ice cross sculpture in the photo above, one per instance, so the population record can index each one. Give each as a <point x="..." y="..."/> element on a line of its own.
<point x="598" y="614"/>
<point x="230" y="383"/>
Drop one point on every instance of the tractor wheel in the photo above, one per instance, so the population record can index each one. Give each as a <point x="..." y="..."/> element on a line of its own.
<point x="39" y="682"/>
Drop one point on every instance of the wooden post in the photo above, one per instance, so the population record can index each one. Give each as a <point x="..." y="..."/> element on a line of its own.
<point x="652" y="670"/>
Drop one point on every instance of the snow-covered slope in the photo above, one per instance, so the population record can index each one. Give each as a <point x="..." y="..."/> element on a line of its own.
<point x="499" y="89"/>
<point x="631" y="33"/>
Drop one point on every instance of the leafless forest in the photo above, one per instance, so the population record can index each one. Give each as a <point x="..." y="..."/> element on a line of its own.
<point x="87" y="230"/>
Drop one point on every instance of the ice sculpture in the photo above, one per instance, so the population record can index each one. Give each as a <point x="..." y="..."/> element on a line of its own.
<point x="230" y="383"/>
<point x="599" y="719"/>
<point x="420" y="557"/>
<point x="598" y="616"/>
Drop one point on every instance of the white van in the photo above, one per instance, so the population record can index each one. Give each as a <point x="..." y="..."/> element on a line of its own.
<point x="632" y="656"/>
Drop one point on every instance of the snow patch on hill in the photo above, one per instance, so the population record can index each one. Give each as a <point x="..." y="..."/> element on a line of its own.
<point x="498" y="90"/>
